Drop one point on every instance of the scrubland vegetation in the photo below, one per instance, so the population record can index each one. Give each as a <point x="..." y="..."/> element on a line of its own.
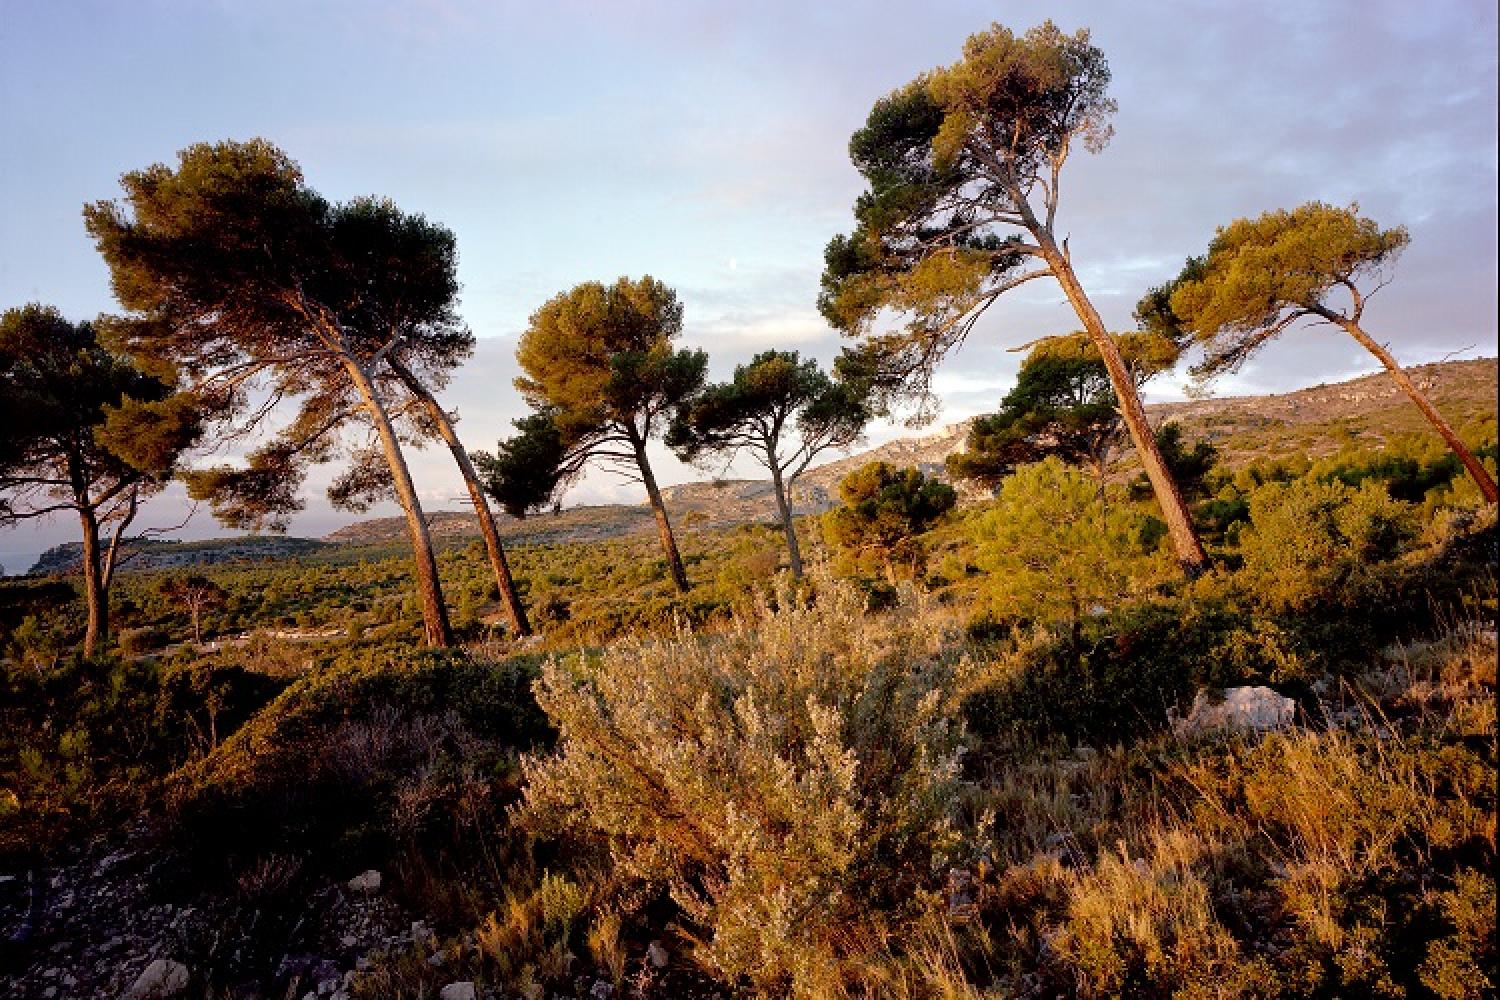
<point x="902" y="748"/>
<point x="960" y="783"/>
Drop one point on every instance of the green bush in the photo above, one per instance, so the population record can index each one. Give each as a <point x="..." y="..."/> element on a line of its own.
<point x="93" y="739"/>
<point x="789" y="782"/>
<point x="1053" y="551"/>
<point x="1309" y="539"/>
<point x="337" y="767"/>
<point x="139" y="641"/>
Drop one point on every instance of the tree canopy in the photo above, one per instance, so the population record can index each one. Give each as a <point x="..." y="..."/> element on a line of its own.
<point x="785" y="411"/>
<point x="523" y="475"/>
<point x="1063" y="404"/>
<point x="599" y="361"/>
<point x="938" y="235"/>
<point x="964" y="166"/>
<point x="265" y="293"/>
<point x="83" y="431"/>
<point x="1261" y="276"/>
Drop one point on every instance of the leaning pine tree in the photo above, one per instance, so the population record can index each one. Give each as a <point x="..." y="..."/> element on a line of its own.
<point x="261" y="291"/>
<point x="1262" y="276"/>
<point x="964" y="166"/>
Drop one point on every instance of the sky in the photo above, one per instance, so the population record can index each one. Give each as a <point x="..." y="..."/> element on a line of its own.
<point x="705" y="143"/>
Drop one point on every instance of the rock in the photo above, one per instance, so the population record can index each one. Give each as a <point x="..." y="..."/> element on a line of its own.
<point x="366" y="881"/>
<point x="1252" y="709"/>
<point x="961" y="904"/>
<point x="162" y="978"/>
<point x="602" y="990"/>
<point x="348" y="940"/>
<point x="459" y="991"/>
<point x="657" y="955"/>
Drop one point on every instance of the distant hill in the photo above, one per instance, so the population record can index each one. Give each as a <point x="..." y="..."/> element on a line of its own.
<point x="1314" y="420"/>
<point x="1317" y="420"/>
<point x="151" y="553"/>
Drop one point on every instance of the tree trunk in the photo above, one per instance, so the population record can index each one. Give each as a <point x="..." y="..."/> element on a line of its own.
<point x="434" y="612"/>
<point x="1179" y="525"/>
<point x="487" y="527"/>
<point x="1470" y="461"/>
<point x="784" y="507"/>
<point x="112" y="554"/>
<point x="663" y="526"/>
<point x="96" y="597"/>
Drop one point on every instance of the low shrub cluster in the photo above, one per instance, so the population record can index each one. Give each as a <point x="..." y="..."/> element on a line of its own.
<point x="790" y="782"/>
<point x="91" y="740"/>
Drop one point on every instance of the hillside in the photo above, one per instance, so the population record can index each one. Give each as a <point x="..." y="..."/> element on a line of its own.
<point x="150" y="553"/>
<point x="1315" y="420"/>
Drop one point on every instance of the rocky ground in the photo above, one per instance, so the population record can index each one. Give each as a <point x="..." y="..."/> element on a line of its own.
<point x="112" y="921"/>
<point x="107" y="923"/>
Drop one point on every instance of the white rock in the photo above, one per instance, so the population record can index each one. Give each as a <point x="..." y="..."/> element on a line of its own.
<point x="657" y="955"/>
<point x="458" y="991"/>
<point x="366" y="881"/>
<point x="1254" y="709"/>
<point x="162" y="978"/>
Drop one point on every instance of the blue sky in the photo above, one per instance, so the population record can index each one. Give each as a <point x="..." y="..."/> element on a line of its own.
<point x="705" y="143"/>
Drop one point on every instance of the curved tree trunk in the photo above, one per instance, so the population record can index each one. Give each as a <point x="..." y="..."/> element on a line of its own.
<point x="663" y="525"/>
<point x="112" y="554"/>
<point x="487" y="527"/>
<point x="1470" y="461"/>
<point x="1174" y="511"/>
<point x="434" y="611"/>
<point x="96" y="597"/>
<point x="788" y="525"/>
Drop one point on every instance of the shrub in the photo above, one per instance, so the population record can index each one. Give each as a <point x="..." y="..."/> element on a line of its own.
<point x="350" y="759"/>
<point x="789" y="781"/>
<point x="1136" y="923"/>
<point x="1309" y="539"/>
<point x="883" y="510"/>
<point x="1053" y="551"/>
<point x="139" y="641"/>
<point x="93" y="739"/>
